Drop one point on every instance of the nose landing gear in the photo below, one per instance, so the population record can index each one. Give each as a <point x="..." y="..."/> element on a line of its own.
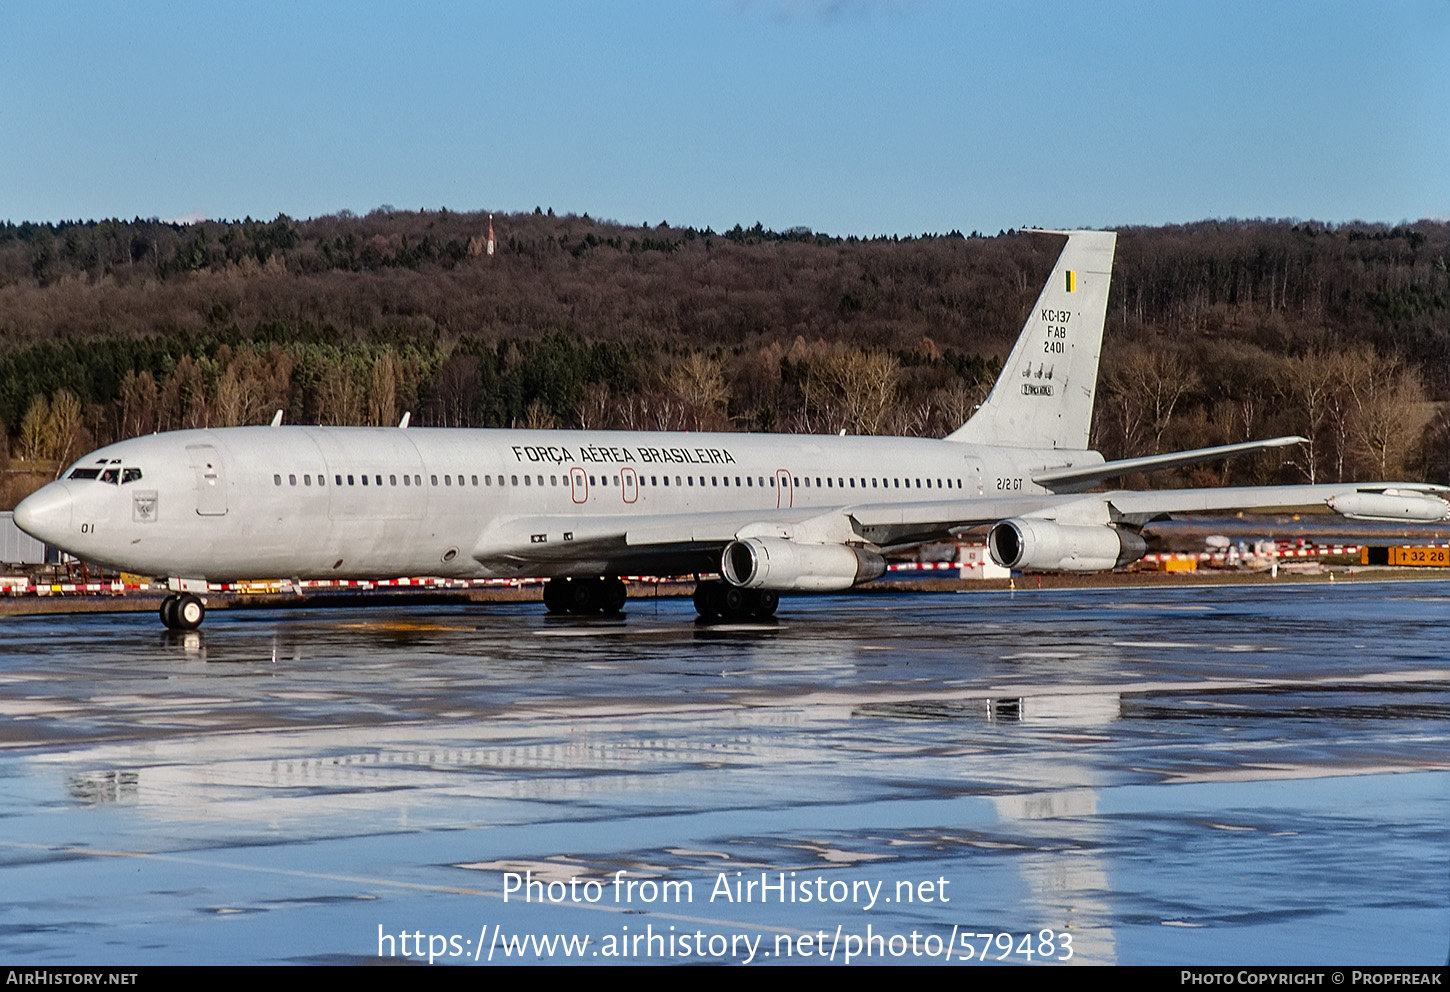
<point x="182" y="612"/>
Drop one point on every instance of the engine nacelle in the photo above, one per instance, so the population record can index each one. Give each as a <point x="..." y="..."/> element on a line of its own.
<point x="1044" y="546"/>
<point x="1392" y="504"/>
<point x="776" y="563"/>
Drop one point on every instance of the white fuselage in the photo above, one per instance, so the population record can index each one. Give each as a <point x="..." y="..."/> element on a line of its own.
<point x="313" y="502"/>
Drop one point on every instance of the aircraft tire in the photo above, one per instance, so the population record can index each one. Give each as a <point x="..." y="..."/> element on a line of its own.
<point x="734" y="601"/>
<point x="168" y="613"/>
<point x="613" y="595"/>
<point x="584" y="596"/>
<point x="764" y="602"/>
<point x="189" y="612"/>
<point x="705" y="601"/>
<point x="556" y="595"/>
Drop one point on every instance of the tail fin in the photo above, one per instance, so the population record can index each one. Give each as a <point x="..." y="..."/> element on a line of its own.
<point x="1044" y="397"/>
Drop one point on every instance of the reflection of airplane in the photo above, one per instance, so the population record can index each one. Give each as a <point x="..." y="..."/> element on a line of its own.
<point x="767" y="512"/>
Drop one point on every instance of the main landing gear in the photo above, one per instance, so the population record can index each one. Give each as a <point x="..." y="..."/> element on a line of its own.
<point x="182" y="612"/>
<point x="720" y="599"/>
<point x="584" y="595"/>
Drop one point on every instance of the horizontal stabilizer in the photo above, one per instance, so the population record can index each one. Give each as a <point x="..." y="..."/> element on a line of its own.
<point x="1079" y="477"/>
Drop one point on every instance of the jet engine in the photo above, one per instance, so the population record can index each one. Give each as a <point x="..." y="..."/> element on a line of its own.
<point x="777" y="563"/>
<point x="1041" y="545"/>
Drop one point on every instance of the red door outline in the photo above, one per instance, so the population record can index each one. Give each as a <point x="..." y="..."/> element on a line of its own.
<point x="578" y="485"/>
<point x="784" y="490"/>
<point x="629" y="485"/>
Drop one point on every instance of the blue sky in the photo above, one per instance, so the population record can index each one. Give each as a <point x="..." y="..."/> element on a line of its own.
<point x="846" y="117"/>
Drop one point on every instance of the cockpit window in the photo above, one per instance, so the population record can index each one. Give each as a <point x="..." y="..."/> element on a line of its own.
<point x="85" y="473"/>
<point x="130" y="475"/>
<point x="111" y="475"/>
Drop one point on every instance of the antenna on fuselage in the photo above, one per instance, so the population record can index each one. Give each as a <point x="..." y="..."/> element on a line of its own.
<point x="403" y="424"/>
<point x="277" y="419"/>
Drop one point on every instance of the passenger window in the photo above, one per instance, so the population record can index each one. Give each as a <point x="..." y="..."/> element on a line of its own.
<point x="276" y="479"/>
<point x="364" y="480"/>
<point x="392" y="480"/>
<point x="513" y="480"/>
<point x="448" y="480"/>
<point x="433" y="480"/>
<point x="727" y="480"/>
<point x="407" y="480"/>
<point x="527" y="480"/>
<point x="475" y="480"/>
<point x="553" y="480"/>
<point x="307" y="480"/>
<point x="291" y="480"/>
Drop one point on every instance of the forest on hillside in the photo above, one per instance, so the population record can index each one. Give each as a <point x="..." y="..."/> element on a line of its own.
<point x="1218" y="331"/>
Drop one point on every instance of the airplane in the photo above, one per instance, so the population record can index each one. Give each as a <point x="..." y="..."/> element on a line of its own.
<point x="767" y="513"/>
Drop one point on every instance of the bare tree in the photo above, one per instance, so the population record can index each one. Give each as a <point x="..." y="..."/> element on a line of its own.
<point x="1147" y="386"/>
<point x="1389" y="413"/>
<point x="538" y="417"/>
<point x="863" y="387"/>
<point x="139" y="397"/>
<point x="36" y="427"/>
<point x="68" y="435"/>
<point x="383" y="391"/>
<point x="700" y="380"/>
<point x="1309" y="384"/>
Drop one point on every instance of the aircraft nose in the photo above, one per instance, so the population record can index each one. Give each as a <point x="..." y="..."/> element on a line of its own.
<point x="45" y="514"/>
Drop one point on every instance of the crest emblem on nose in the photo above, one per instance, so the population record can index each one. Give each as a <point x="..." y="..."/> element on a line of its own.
<point x="143" y="507"/>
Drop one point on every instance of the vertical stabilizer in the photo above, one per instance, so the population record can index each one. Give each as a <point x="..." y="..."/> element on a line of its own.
<point x="1044" y="397"/>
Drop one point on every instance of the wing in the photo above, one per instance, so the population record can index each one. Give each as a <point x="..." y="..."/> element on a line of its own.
<point x="1073" y="532"/>
<point x="837" y="547"/>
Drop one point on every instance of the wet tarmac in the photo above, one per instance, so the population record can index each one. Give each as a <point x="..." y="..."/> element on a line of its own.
<point x="1232" y="775"/>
